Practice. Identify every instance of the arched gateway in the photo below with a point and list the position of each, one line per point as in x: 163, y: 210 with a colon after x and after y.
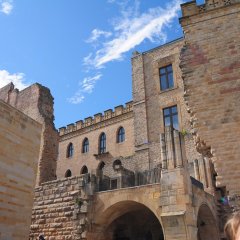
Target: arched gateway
x: 130, y: 213
x: 206, y: 224
x: 128, y: 220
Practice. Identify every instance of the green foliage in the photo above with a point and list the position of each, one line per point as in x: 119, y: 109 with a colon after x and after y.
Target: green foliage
x: 79, y: 202
x: 184, y: 132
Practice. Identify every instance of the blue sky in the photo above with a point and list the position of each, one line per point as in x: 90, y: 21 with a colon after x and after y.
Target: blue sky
x: 81, y: 49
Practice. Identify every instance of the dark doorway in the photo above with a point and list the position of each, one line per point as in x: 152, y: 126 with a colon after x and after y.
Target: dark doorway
x: 136, y: 225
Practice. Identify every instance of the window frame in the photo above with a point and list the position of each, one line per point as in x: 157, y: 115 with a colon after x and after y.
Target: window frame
x: 102, y: 143
x: 171, y: 115
x: 85, y: 145
x: 70, y: 150
x: 168, y: 80
x: 121, y: 135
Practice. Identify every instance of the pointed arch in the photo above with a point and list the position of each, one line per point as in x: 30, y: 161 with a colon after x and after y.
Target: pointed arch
x: 84, y: 170
x: 85, y: 145
x: 102, y: 143
x: 120, y: 135
x: 68, y: 173
x: 70, y: 150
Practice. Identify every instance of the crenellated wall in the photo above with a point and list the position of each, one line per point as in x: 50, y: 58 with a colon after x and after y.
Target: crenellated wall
x: 99, y: 119
x: 91, y: 128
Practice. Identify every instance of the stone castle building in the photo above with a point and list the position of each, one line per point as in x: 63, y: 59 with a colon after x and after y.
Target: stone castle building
x: 165, y: 165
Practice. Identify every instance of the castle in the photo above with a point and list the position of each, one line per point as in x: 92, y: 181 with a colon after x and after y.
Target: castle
x: 165, y: 165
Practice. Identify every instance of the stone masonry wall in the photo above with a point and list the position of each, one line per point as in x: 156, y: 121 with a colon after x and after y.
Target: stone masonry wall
x: 60, y: 210
x: 20, y: 138
x: 121, y: 117
x: 211, y: 72
x: 36, y: 101
x: 149, y: 102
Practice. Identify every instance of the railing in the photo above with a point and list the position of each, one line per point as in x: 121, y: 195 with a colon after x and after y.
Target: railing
x: 129, y: 180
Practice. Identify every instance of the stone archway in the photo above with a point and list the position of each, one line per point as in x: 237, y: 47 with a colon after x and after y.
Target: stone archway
x: 206, y: 224
x: 128, y: 220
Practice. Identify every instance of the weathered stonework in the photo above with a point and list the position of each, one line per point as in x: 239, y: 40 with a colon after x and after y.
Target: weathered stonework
x: 211, y: 69
x: 60, y: 209
x: 20, y: 138
x: 91, y: 128
x: 162, y: 175
x: 36, y: 101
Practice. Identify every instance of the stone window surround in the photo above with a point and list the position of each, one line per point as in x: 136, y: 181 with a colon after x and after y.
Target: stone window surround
x: 163, y: 62
x: 171, y: 104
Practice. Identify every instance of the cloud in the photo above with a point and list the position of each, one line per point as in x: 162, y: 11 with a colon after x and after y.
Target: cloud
x: 18, y: 79
x: 96, y: 34
x: 132, y: 29
x: 6, y: 7
x: 85, y: 86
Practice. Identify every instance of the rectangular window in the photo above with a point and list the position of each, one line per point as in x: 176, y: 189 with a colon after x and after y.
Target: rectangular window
x: 166, y: 77
x: 170, y: 116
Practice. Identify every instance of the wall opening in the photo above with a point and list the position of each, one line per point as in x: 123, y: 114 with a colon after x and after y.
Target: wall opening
x: 206, y: 224
x: 135, y: 221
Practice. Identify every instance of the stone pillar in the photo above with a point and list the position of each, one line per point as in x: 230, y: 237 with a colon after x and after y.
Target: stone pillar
x: 178, y: 149
x: 196, y: 169
x: 209, y: 173
x: 203, y: 177
x: 163, y: 151
x: 170, y: 148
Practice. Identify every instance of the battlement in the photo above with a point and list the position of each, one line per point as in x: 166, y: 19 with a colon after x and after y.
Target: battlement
x: 99, y: 117
x: 191, y: 8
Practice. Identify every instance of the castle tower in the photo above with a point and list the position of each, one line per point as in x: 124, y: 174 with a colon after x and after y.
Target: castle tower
x: 211, y: 72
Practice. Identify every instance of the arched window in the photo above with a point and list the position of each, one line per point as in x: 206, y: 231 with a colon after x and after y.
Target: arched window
x: 68, y: 173
x: 85, y: 146
x: 84, y: 170
x: 70, y: 150
x: 121, y: 135
x: 102, y: 143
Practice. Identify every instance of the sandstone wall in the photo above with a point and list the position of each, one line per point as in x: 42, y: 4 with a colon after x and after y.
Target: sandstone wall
x: 149, y: 102
x: 211, y: 69
x: 20, y: 138
x: 92, y: 129
x: 60, y: 210
x: 36, y: 101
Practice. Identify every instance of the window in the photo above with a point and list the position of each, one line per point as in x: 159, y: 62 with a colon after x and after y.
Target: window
x: 84, y: 170
x: 102, y: 143
x: 166, y: 77
x: 171, y: 117
x: 70, y: 150
x: 85, y: 146
x: 68, y: 173
x: 121, y: 135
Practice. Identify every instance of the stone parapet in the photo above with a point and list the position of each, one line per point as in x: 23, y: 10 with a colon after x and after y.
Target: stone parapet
x: 98, y: 118
x: 191, y: 8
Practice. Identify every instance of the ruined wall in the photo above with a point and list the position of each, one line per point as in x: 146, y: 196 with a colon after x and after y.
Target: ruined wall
x: 211, y: 68
x: 60, y: 210
x: 150, y: 100
x: 36, y: 101
x: 91, y: 128
x: 20, y: 138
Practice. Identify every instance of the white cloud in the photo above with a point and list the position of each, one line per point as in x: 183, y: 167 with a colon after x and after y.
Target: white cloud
x: 6, y: 7
x: 96, y: 34
x: 132, y: 29
x: 85, y: 86
x: 18, y: 79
